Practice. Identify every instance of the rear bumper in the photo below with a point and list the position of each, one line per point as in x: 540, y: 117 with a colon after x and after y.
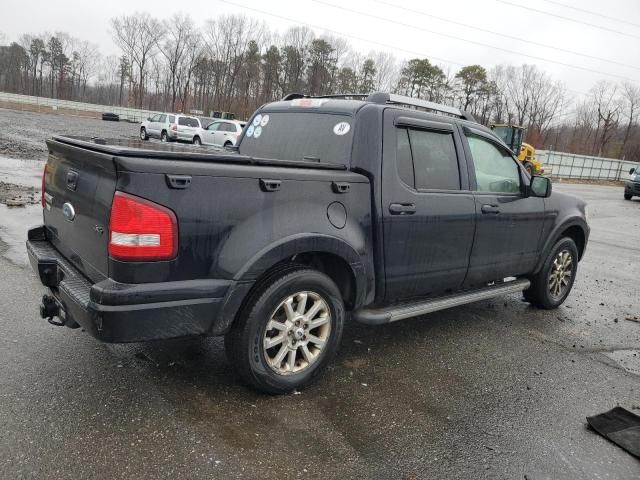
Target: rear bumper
x: 117, y: 312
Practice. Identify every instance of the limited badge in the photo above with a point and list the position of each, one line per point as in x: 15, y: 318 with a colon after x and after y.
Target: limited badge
x: 341, y: 128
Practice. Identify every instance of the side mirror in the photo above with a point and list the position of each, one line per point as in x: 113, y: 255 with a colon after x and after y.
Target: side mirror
x: 540, y: 186
x: 632, y: 171
x: 148, y: 119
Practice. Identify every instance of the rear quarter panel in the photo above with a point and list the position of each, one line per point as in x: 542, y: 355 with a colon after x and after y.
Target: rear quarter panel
x: 229, y: 228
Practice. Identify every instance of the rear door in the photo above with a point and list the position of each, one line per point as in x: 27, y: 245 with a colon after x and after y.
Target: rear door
x: 79, y: 188
x: 509, y: 223
x: 428, y: 210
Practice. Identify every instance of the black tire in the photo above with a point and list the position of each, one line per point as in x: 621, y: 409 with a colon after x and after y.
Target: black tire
x: 528, y: 166
x: 627, y: 196
x: 244, y: 343
x: 164, y: 137
x: 143, y: 134
x: 539, y: 293
x: 228, y: 144
x: 197, y: 141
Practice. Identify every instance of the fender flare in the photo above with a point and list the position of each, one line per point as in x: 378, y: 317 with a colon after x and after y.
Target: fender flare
x: 555, y: 234
x: 278, y: 252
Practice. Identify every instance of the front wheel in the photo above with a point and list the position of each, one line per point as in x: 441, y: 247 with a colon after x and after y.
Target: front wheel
x: 197, y: 141
x: 627, y: 196
x: 287, y: 331
x: 551, y: 286
x: 143, y: 134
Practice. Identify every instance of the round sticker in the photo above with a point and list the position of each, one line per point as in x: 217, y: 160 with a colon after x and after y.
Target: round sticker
x: 341, y: 128
x: 257, y: 132
x: 250, y: 130
x: 264, y: 121
x: 257, y: 120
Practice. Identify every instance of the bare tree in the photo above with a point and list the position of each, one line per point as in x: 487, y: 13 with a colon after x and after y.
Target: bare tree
x: 138, y: 36
x: 631, y: 102
x: 607, y: 103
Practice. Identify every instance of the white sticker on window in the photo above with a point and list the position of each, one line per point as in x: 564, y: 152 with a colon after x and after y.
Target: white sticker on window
x: 257, y: 120
x: 341, y: 128
x: 250, y: 131
x: 257, y: 132
x: 265, y: 120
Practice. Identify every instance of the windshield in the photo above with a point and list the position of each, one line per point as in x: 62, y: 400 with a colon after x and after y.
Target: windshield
x: 298, y: 136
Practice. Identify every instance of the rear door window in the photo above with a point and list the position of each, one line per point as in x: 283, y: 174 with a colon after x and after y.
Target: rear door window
x: 172, y: 119
x: 163, y: 118
x: 435, y: 163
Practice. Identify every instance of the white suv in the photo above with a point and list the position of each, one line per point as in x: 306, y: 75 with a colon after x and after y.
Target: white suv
x: 171, y: 127
x: 221, y: 133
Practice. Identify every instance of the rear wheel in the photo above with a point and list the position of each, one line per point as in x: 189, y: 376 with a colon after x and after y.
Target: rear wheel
x: 627, y: 196
x: 287, y: 331
x: 164, y: 137
x: 551, y: 286
x: 143, y: 134
x: 228, y: 144
x: 528, y: 166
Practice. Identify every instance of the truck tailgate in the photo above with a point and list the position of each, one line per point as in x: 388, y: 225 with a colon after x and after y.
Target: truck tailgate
x: 79, y: 185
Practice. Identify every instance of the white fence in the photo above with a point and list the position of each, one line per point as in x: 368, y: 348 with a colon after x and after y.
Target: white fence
x: 568, y: 165
x: 53, y: 104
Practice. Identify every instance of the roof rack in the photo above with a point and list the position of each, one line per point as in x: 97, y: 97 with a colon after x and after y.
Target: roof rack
x: 394, y: 99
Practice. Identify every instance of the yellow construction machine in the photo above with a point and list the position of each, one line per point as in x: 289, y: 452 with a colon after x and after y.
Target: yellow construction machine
x: 512, y: 136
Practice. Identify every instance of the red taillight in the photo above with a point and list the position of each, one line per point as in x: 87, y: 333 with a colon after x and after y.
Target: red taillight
x: 44, y: 175
x: 140, y: 230
x: 174, y: 127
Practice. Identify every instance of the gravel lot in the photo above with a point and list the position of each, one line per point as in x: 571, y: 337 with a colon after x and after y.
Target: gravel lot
x: 490, y: 390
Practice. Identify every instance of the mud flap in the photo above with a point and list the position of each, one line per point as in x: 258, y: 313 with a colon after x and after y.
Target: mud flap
x: 619, y: 426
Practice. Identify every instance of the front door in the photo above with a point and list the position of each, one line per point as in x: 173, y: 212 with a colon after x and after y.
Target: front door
x: 428, y: 211
x: 508, y: 222
x: 210, y: 133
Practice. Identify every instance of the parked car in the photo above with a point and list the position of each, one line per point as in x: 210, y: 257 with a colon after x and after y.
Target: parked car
x: 330, y: 206
x: 110, y: 117
x: 160, y: 125
x: 632, y: 186
x: 222, y: 133
x: 169, y: 127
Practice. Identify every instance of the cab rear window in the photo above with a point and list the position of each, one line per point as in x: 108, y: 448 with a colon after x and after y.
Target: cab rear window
x: 299, y: 136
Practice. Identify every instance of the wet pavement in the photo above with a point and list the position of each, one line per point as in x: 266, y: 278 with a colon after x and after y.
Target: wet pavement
x: 496, y: 389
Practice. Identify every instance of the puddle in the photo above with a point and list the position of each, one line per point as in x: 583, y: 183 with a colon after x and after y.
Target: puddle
x: 627, y: 359
x: 14, y: 223
x: 27, y: 173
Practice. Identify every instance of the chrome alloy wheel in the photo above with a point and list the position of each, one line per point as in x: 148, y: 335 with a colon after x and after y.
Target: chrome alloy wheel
x: 297, y: 333
x: 560, y: 274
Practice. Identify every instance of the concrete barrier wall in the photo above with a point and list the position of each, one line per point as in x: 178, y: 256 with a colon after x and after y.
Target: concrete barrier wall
x: 569, y: 165
x: 53, y: 105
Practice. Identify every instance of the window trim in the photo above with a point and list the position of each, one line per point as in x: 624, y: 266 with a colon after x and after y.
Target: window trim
x: 471, y: 166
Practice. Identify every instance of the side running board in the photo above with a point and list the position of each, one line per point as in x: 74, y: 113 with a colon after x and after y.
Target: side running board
x: 393, y: 313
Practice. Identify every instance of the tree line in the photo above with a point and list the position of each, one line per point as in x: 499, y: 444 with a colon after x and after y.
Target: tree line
x: 236, y: 63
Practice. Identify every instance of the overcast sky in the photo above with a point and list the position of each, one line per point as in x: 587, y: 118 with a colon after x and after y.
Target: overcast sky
x: 398, y: 27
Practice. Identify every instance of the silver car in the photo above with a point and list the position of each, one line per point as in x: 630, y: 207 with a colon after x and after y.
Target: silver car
x: 221, y: 133
x: 171, y: 127
x: 160, y: 125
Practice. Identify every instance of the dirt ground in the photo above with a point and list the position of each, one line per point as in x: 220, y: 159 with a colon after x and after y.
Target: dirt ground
x: 22, y: 138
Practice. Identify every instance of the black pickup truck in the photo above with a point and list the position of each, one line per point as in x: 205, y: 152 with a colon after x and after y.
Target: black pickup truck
x: 380, y: 208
